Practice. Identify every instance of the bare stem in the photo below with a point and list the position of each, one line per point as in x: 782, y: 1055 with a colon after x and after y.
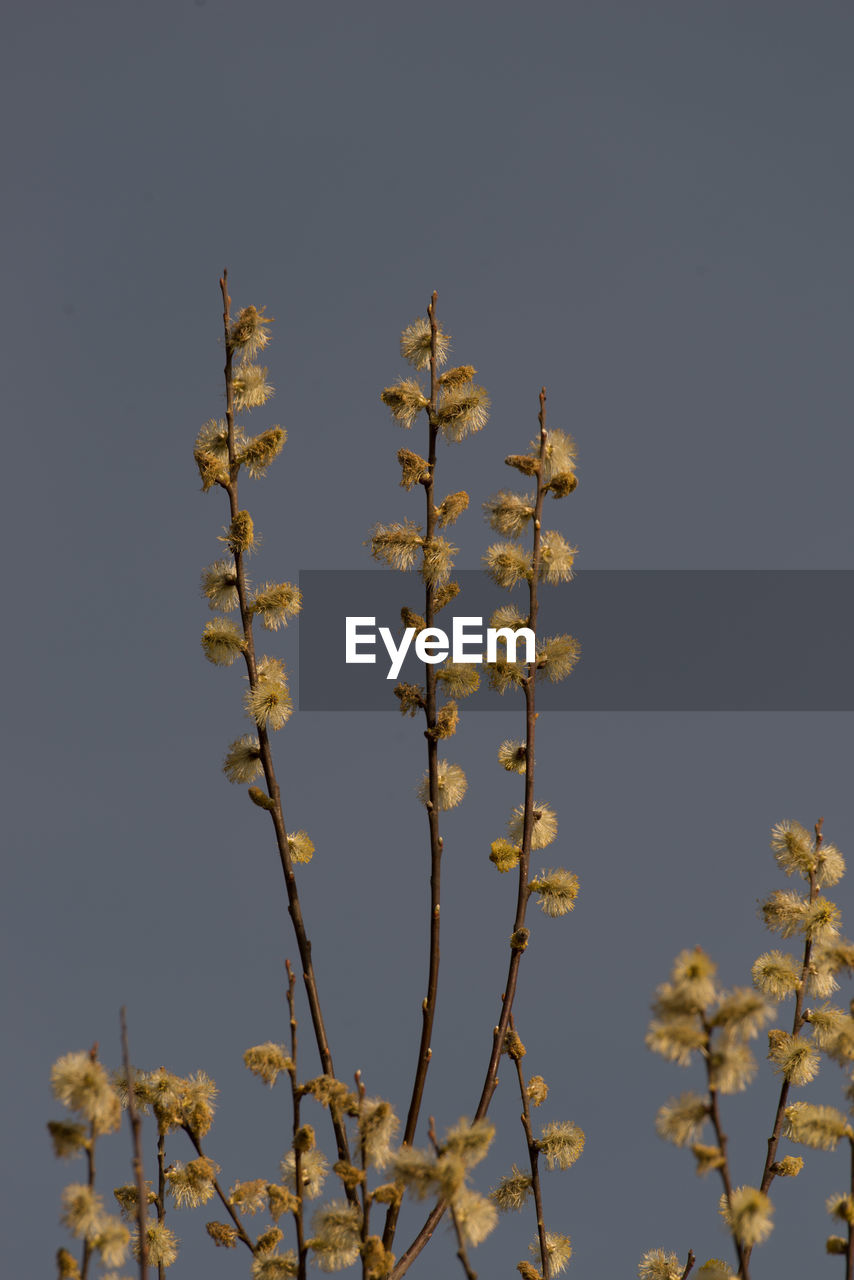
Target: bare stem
x: 715, y: 1117
x: 849, y: 1252
x: 136, y: 1128
x: 798, y: 1020
x: 462, y: 1252
x: 518, y: 937
x: 689, y: 1264
x: 428, y: 1006
x: 277, y: 813
x: 90, y: 1182
x: 161, y: 1191
x: 224, y: 1200
x: 534, y: 1162
x: 302, y: 1251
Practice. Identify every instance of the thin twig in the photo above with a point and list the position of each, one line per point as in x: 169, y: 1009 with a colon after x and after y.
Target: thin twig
x: 524, y: 891
x: 715, y: 1117
x: 302, y: 1251
x: 849, y: 1250
x: 462, y: 1252
x: 277, y: 814
x: 534, y: 1162
x: 363, y: 1165
x: 136, y: 1128
x: 689, y: 1265
x: 798, y: 1021
x: 428, y: 1006
x: 224, y: 1200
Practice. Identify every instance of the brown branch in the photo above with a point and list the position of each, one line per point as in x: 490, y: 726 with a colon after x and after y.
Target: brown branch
x: 302, y: 1250
x: 534, y: 1161
x: 462, y: 1252
x: 428, y: 1006
x: 798, y: 1021
x: 721, y: 1138
x: 226, y: 1203
x: 90, y: 1182
x: 689, y: 1265
x: 136, y: 1128
x: 849, y: 1251
x: 517, y: 945
x: 277, y: 813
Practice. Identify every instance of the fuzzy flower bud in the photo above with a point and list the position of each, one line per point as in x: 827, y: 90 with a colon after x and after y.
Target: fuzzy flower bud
x: 557, y: 891
x: 416, y: 343
x: 512, y: 1191
x: 561, y: 1143
x: 748, y: 1215
x: 405, y: 400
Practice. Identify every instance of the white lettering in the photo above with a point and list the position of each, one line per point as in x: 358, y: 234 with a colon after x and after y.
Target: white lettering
x: 461, y: 638
x: 431, y: 645
x: 353, y: 638
x: 397, y: 654
x: 511, y: 637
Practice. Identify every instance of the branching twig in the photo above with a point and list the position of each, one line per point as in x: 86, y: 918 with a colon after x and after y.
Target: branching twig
x: 534, y: 1161
x: 428, y: 1007
x: 524, y: 891
x: 277, y: 815
x: 462, y: 1252
x: 226, y: 1203
x: 714, y: 1115
x: 136, y: 1127
x: 302, y: 1251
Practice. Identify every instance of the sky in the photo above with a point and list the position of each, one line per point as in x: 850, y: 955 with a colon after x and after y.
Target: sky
x: 645, y: 207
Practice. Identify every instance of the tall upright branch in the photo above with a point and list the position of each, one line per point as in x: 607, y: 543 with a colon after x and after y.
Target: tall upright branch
x: 136, y: 1128
x: 296, y: 1097
x: 428, y: 1007
x: 534, y: 1163
x: 276, y: 813
x: 519, y: 935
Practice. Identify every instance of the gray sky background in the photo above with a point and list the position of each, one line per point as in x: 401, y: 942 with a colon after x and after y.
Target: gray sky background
x: 647, y: 206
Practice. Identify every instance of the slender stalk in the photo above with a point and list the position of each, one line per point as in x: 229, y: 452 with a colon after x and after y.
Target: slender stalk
x: 689, y: 1264
x: 363, y: 1165
x: 161, y: 1191
x: 277, y: 814
x: 428, y: 1006
x: 715, y: 1117
x: 136, y: 1128
x: 524, y: 891
x: 462, y: 1252
x: 798, y: 1021
x: 849, y: 1252
x: 534, y: 1162
x: 533, y: 1156
x: 90, y: 1180
x: 224, y: 1200
x: 302, y: 1251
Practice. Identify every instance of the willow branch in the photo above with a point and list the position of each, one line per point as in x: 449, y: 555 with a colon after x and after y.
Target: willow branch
x: 689, y: 1265
x: 518, y: 937
x: 534, y: 1162
x: 226, y: 1203
x: 715, y: 1117
x: 302, y: 1250
x: 277, y: 813
x: 136, y: 1128
x: 428, y: 1007
x: 462, y: 1252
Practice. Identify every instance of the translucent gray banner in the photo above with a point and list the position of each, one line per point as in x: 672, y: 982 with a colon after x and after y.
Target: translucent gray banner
x: 651, y: 640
